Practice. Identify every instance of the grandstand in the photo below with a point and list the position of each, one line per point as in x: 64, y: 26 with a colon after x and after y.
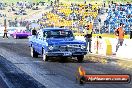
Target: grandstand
x: 119, y: 14
x: 70, y: 15
x: 74, y: 14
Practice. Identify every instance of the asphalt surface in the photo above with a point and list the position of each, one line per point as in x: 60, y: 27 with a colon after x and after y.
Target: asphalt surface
x: 54, y: 73
x: 2, y: 83
x: 13, y: 77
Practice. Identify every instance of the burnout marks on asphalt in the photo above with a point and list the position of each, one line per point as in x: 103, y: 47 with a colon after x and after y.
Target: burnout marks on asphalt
x: 16, y: 77
x: 2, y: 83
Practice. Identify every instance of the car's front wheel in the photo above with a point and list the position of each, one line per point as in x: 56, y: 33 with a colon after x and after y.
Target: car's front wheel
x: 80, y: 58
x: 33, y: 52
x: 15, y: 37
x: 45, y: 57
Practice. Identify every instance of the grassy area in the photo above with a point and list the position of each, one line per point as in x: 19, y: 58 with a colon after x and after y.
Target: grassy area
x: 103, y: 60
x: 122, y: 63
x: 96, y: 59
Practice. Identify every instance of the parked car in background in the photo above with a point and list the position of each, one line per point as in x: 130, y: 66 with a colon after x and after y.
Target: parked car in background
x: 21, y: 34
x: 56, y: 42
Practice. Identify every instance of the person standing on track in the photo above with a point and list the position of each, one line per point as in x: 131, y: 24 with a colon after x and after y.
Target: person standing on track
x: 34, y: 31
x: 5, y: 33
x: 119, y: 32
x: 88, y: 35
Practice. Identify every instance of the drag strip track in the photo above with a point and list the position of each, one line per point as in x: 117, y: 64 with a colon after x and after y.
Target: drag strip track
x: 2, y: 83
x: 15, y: 78
x: 55, y: 74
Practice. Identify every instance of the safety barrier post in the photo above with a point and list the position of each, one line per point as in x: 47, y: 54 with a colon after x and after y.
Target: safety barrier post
x: 102, y: 46
x: 97, y: 43
x: 108, y: 47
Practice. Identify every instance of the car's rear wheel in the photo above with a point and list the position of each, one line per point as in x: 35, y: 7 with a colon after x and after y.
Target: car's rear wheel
x: 33, y: 53
x: 80, y: 58
x: 45, y: 57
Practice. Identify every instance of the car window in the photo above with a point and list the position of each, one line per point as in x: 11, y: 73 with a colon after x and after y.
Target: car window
x: 58, y: 34
x: 39, y: 35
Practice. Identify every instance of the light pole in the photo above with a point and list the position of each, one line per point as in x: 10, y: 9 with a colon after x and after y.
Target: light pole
x: 5, y: 30
x: 109, y: 27
x: 4, y: 20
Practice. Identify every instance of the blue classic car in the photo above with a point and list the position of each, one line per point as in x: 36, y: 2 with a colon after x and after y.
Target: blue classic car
x: 56, y: 42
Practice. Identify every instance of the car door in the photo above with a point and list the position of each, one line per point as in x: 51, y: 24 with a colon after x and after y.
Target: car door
x: 34, y: 41
x: 37, y: 42
x: 44, y: 43
x: 40, y: 42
